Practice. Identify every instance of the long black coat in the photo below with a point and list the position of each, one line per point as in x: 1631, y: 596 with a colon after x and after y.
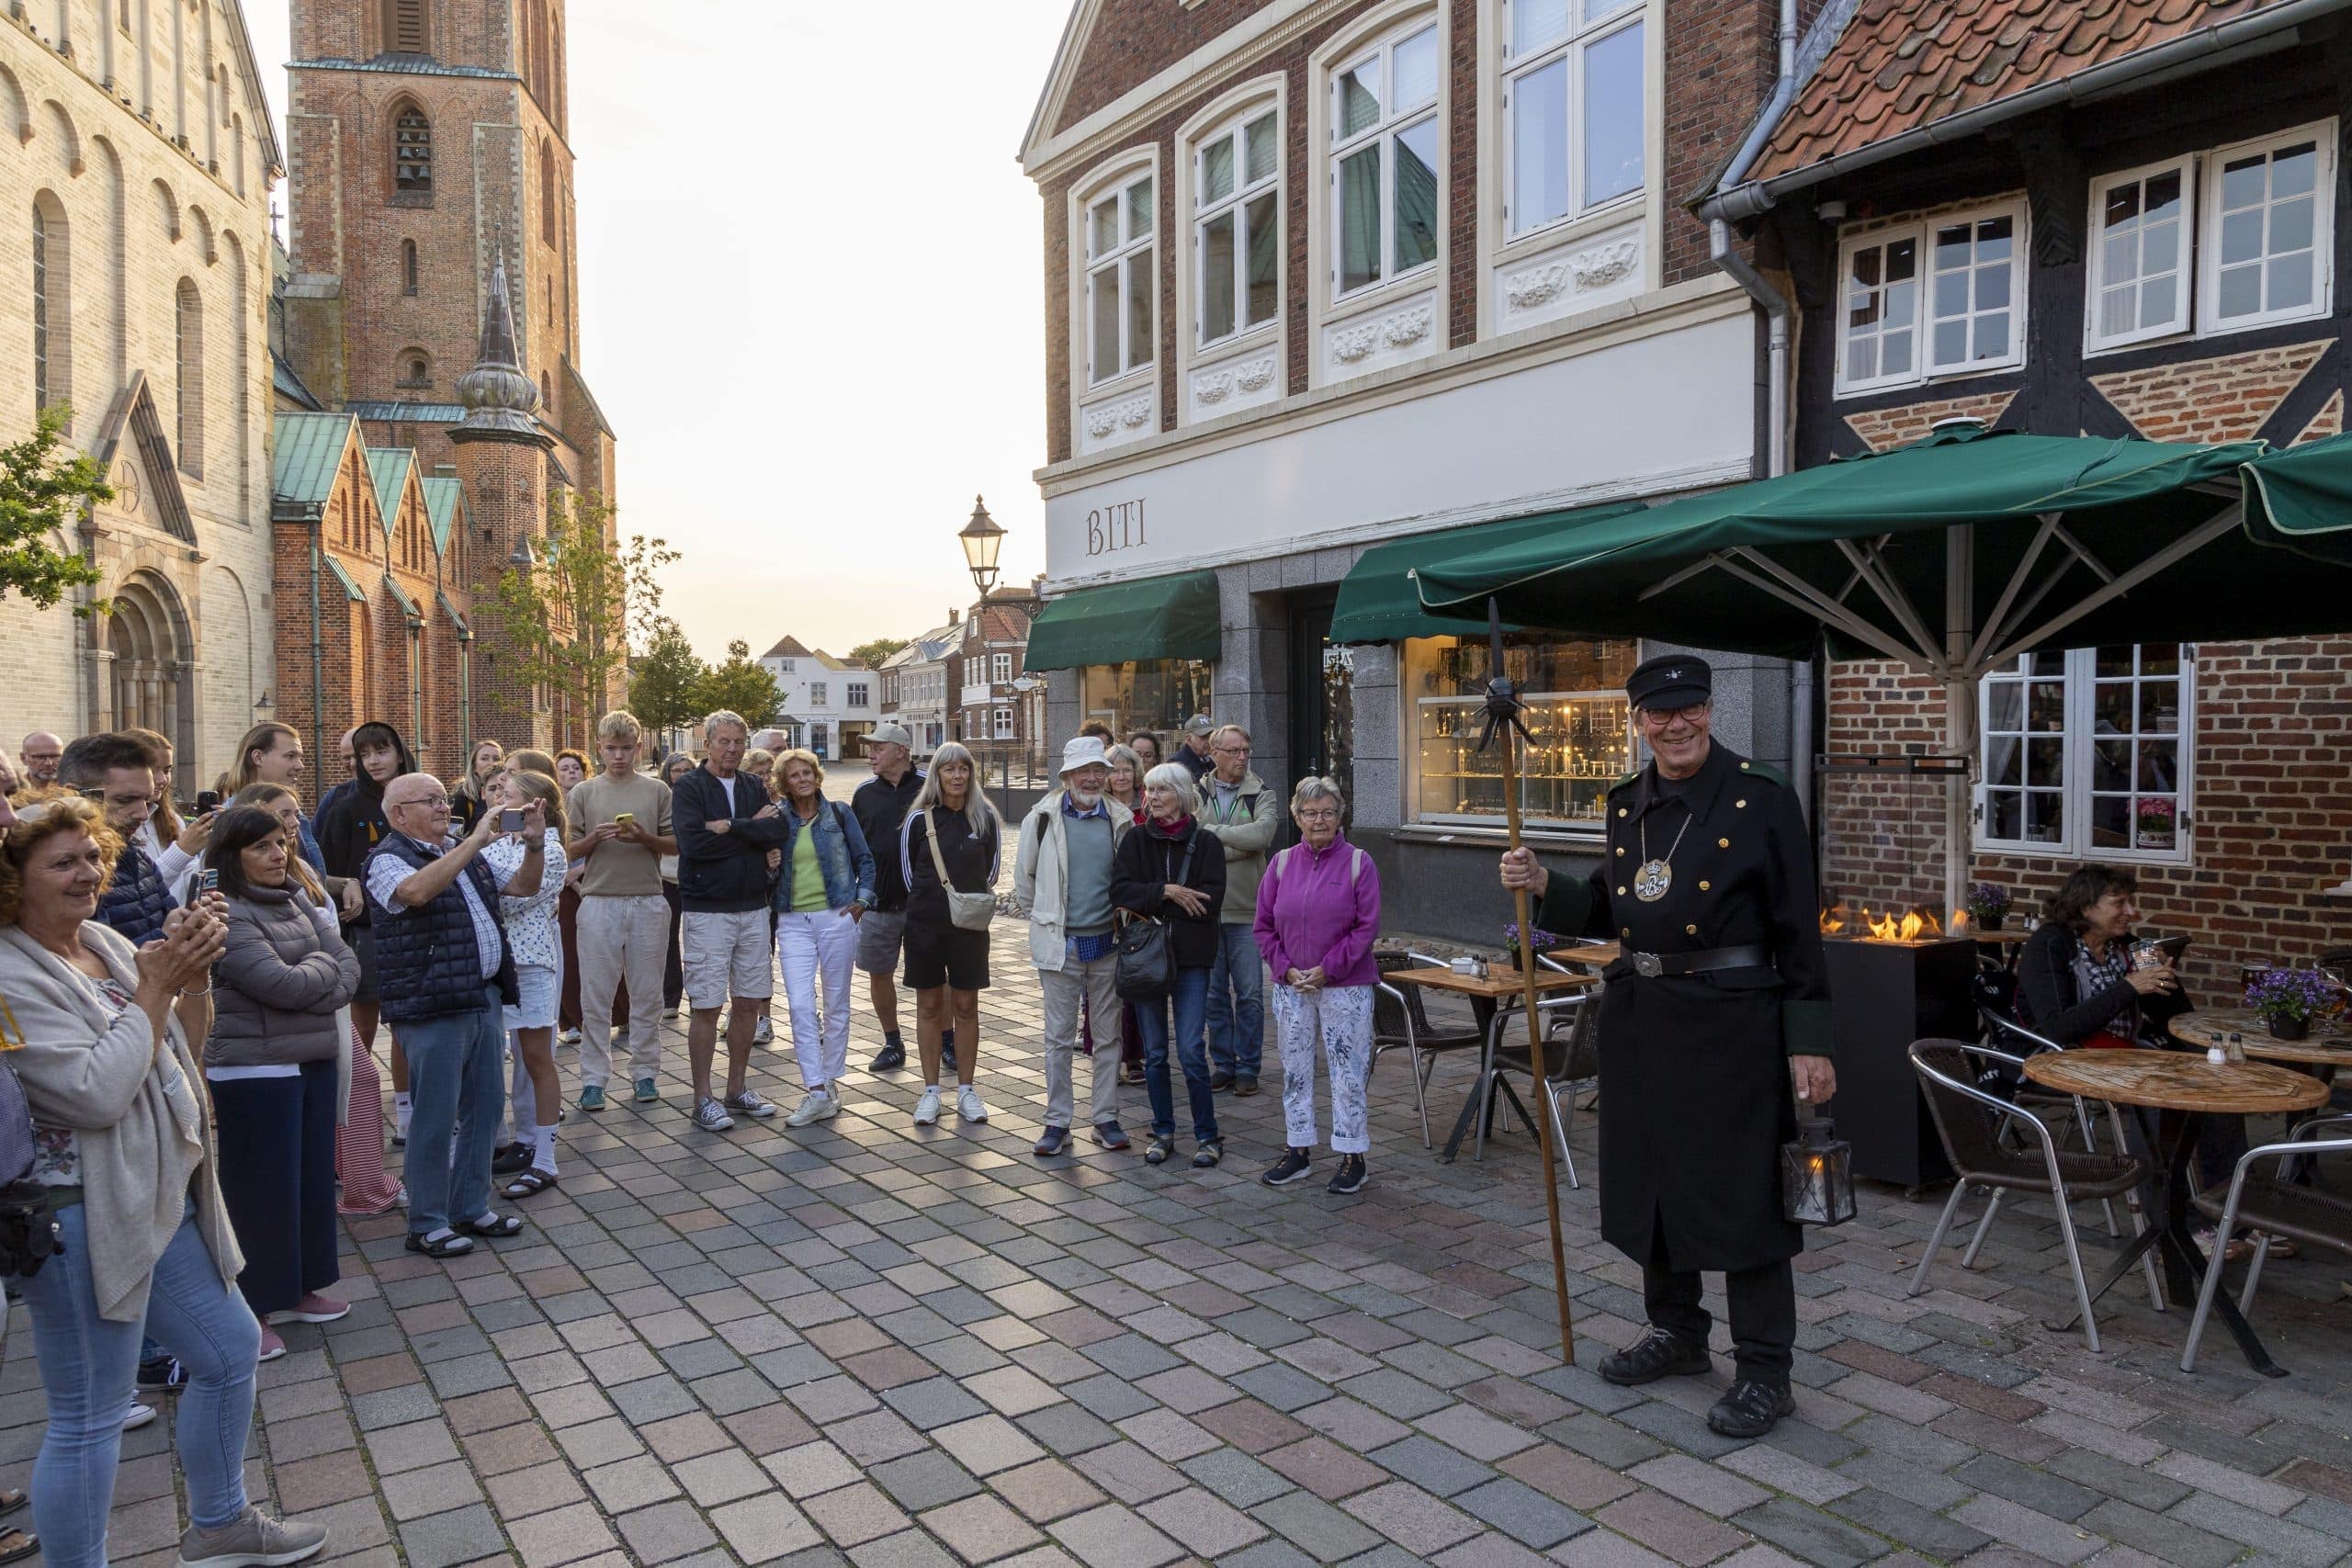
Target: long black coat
x: 1695, y: 1099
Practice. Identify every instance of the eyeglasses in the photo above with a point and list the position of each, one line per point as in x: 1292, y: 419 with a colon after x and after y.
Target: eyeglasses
x: 1319, y: 814
x: 1659, y: 718
x: 1232, y: 751
x: 430, y: 802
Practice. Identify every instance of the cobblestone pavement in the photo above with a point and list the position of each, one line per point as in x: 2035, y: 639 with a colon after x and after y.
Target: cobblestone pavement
x: 899, y: 1345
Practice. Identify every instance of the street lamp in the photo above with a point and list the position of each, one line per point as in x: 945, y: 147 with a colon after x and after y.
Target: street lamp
x: 981, y: 539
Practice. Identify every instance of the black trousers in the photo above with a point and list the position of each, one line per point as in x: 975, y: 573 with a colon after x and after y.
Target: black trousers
x: 1763, y: 1303
x: 674, y: 970
x: 277, y: 1139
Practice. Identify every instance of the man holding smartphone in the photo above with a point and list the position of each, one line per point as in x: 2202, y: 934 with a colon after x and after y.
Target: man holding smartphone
x: 620, y: 827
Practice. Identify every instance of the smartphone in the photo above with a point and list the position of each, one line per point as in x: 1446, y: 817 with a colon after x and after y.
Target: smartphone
x: 208, y: 800
x: 625, y: 819
x: 510, y: 820
x: 209, y: 881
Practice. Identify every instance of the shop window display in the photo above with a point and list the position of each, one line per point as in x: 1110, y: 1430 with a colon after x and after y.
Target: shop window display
x: 1157, y: 694
x: 1576, y: 716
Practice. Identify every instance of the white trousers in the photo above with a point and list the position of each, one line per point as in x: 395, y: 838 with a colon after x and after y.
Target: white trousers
x: 1338, y: 1020
x: 621, y: 936
x: 823, y: 942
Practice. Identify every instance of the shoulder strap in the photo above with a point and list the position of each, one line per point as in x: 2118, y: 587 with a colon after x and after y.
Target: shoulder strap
x: 1355, y: 867
x: 938, y: 861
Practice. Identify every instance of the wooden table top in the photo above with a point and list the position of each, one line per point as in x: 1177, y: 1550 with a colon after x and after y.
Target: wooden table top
x: 2005, y: 937
x: 2173, y: 1080
x: 2330, y: 1045
x: 1589, y: 955
x: 1497, y: 983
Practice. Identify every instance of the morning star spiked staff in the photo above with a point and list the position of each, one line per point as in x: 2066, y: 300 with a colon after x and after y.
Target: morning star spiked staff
x: 1503, y: 723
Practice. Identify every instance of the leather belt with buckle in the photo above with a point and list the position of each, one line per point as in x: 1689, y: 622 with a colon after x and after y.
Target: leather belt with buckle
x: 1652, y: 965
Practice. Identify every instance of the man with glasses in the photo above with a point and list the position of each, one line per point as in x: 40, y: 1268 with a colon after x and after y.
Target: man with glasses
x: 114, y: 772
x: 43, y: 752
x: 1237, y: 806
x: 1714, y: 1023
x: 445, y: 976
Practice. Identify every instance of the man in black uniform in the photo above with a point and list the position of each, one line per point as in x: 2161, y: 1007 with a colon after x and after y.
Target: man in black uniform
x: 1707, y: 882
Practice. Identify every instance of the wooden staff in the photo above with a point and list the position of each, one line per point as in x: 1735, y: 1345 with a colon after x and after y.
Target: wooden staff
x: 1503, y: 722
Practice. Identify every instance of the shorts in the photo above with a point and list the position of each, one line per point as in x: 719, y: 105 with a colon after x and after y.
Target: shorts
x: 946, y: 955
x: 728, y: 952
x: 361, y: 938
x: 879, y: 936
x: 538, y: 987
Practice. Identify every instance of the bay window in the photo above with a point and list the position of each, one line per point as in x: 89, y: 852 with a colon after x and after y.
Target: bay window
x: 1576, y: 714
x: 2088, y: 752
x: 1120, y: 278
x: 1237, y: 227
x: 1384, y: 188
x: 1573, y: 93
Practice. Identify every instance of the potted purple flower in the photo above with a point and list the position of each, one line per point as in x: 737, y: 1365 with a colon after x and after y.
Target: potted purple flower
x: 2288, y: 1000
x: 1542, y: 941
x: 2156, y: 815
x: 1988, y: 905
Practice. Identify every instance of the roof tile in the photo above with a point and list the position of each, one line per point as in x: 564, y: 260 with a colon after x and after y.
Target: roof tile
x: 1903, y: 65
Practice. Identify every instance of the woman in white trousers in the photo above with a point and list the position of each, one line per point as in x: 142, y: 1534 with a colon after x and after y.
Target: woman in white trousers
x: 824, y: 883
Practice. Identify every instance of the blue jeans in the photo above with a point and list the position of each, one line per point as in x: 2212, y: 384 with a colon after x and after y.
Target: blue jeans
x: 1237, y: 1002
x: 88, y: 1368
x: 1151, y: 1022
x: 457, y: 1083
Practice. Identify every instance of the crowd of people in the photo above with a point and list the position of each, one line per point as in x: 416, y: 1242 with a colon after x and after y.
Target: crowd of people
x: 197, y: 985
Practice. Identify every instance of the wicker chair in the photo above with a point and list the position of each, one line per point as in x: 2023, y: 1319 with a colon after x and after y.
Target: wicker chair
x: 1972, y: 1124
x: 1400, y: 1022
x: 2271, y: 1206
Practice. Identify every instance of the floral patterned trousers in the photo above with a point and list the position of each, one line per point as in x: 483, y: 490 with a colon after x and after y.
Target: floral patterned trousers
x: 1339, y: 1018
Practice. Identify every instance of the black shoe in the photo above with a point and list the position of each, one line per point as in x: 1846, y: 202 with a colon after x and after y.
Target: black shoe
x: 1207, y: 1154
x: 1220, y: 1080
x: 163, y: 1376
x: 1752, y: 1408
x: 513, y: 1160
x: 1157, y: 1151
x: 891, y: 1057
x: 1353, y: 1174
x: 1290, y: 1167
x: 1244, y: 1086
x: 1659, y: 1355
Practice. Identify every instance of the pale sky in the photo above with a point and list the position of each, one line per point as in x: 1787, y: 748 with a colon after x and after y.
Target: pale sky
x: 810, y: 296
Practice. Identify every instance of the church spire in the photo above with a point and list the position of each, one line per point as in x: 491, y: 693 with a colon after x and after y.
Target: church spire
x: 499, y: 398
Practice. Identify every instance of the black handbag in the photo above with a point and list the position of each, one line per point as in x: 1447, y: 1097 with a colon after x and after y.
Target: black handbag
x: 28, y: 1229
x: 1146, y: 969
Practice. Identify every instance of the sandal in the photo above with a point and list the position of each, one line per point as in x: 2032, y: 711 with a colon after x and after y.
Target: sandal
x: 11, y: 1499
x: 493, y: 1227
x: 530, y: 1183
x: 15, y: 1545
x: 439, y: 1244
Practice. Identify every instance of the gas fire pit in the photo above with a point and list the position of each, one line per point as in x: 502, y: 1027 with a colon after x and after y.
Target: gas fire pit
x: 1893, y: 979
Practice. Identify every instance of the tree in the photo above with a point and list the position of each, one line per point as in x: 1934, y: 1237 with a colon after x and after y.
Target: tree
x: 666, y: 680
x: 43, y: 492
x: 741, y: 686
x: 571, y: 617
x: 872, y: 654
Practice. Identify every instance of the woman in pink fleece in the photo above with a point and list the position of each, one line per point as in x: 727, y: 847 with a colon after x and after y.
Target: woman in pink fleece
x: 1318, y: 910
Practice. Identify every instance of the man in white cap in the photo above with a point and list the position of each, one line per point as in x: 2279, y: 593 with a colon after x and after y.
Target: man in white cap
x: 1192, y: 750
x: 1061, y: 880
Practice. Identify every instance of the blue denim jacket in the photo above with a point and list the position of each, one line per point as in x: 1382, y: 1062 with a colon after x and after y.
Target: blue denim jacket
x: 841, y: 856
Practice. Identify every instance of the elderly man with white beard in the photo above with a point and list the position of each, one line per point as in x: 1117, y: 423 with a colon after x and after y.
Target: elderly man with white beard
x: 1062, y: 883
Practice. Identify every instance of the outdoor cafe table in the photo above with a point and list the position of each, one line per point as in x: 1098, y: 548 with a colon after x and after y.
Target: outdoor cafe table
x: 2179, y: 1087
x: 2329, y: 1046
x: 1486, y: 994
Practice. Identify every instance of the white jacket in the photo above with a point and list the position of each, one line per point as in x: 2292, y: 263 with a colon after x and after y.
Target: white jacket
x: 1038, y: 871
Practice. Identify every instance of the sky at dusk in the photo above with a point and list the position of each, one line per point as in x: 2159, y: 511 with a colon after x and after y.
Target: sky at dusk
x: 811, y: 304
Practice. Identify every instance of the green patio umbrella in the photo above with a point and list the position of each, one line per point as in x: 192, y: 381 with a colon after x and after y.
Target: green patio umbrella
x: 2299, y: 499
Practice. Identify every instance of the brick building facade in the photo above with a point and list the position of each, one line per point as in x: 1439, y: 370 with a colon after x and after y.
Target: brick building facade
x: 2138, y: 229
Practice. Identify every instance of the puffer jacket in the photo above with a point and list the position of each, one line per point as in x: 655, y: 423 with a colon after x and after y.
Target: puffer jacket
x: 277, y: 986
x: 137, y: 899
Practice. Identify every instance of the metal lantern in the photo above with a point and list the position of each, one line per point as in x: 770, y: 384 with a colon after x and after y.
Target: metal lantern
x: 1817, y: 1175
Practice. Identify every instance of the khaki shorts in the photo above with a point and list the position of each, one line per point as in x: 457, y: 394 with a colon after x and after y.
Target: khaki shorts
x: 727, y: 953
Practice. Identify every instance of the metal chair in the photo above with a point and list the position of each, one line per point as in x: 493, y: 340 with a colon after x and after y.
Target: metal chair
x: 2271, y: 1206
x: 2002, y: 1031
x: 1400, y: 1022
x: 1578, y: 1062
x: 1972, y: 1122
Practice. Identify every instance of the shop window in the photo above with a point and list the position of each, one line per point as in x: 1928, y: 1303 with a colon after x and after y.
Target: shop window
x: 1385, y: 183
x: 1157, y: 694
x: 2086, y: 753
x: 1122, y: 276
x: 1237, y: 227
x: 1575, y: 123
x: 1943, y: 298
x: 1577, y: 716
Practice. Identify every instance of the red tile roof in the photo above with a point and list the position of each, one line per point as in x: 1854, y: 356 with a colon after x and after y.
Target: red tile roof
x: 1903, y: 65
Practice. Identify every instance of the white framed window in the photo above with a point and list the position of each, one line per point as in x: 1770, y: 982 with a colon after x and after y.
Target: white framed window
x: 817, y: 693
x: 2268, y: 213
x: 857, y: 694
x: 785, y: 665
x: 1940, y: 297
x: 1237, y: 227
x: 2139, y: 260
x: 1122, y: 276
x: 1386, y: 195
x: 1000, y: 667
x: 1575, y: 121
x: 2088, y: 752
x: 1004, y: 724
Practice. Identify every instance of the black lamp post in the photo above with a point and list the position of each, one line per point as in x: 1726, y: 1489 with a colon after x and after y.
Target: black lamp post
x: 981, y: 538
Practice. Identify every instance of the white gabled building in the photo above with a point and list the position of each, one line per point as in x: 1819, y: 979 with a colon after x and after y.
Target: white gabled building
x: 829, y: 703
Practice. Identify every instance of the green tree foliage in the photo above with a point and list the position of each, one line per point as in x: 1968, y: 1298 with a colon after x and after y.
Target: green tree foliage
x: 741, y: 685
x: 872, y: 654
x: 42, y: 493
x: 666, y: 680
x: 572, y: 615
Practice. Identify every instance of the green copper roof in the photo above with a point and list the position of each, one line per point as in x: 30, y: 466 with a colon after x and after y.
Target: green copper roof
x: 308, y: 454
x: 399, y: 596
x: 344, y: 577
x: 442, y: 495
x: 389, y: 470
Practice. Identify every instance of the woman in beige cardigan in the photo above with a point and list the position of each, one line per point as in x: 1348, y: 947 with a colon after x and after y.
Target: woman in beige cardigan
x: 121, y: 1141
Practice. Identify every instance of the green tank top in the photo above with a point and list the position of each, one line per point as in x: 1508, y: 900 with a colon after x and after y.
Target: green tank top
x: 808, y: 877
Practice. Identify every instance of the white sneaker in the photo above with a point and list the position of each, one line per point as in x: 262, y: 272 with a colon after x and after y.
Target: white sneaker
x: 138, y: 1416
x: 968, y: 1106
x: 569, y: 1037
x: 711, y: 1117
x: 763, y: 1032
x: 927, y: 1107
x: 817, y: 1106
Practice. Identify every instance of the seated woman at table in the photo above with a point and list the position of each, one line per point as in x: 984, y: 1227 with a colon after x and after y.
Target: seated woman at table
x: 2076, y: 987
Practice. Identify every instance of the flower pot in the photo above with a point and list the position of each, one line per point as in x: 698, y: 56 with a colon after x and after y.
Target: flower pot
x: 2290, y: 1028
x: 1989, y: 922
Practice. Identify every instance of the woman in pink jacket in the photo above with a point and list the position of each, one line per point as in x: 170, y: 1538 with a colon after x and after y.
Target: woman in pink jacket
x: 1318, y: 910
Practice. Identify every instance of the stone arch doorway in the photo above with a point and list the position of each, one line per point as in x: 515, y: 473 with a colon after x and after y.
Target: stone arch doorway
x: 150, y: 670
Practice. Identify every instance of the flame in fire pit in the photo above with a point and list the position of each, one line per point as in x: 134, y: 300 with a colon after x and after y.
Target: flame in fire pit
x: 1912, y: 925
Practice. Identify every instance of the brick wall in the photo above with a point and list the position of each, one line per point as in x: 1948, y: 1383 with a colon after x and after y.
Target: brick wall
x: 1720, y: 59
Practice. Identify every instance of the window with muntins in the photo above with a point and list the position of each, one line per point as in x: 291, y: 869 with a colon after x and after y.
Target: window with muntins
x: 2265, y: 221
x: 1000, y: 667
x: 2139, y: 262
x: 1004, y: 724
x: 817, y: 693
x: 1121, y: 278
x: 1384, y: 184
x: 1238, y: 229
x: 1941, y: 298
x: 855, y: 696
x: 413, y: 153
x: 2086, y: 752
x: 40, y: 309
x: 1574, y: 81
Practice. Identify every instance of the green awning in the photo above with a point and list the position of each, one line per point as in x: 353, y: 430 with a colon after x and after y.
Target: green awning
x: 2301, y: 498
x: 1152, y: 617
x: 1378, y: 602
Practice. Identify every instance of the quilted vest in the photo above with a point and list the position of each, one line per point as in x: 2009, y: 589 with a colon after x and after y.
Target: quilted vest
x: 426, y: 965
x: 135, y: 903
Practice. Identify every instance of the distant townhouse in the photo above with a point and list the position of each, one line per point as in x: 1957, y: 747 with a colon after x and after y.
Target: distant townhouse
x: 1002, y: 705
x: 829, y: 703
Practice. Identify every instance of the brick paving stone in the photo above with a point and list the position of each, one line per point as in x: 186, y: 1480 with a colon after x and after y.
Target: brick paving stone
x: 444, y: 1540
x: 854, y: 1515
x: 1324, y: 1468
x: 1899, y: 1519
x: 2021, y: 1527
x: 811, y: 1468
x: 666, y: 1531
x: 1202, y: 1524
x: 1115, y: 1537
x: 522, y: 1492
x: 986, y: 1444
x: 1235, y: 1476
x: 1316, y: 1527
x: 928, y: 1479
x: 2169, y: 1540
x: 1521, y: 1512
x: 763, y: 1528
x: 1047, y: 1489
x: 1668, y: 1527
x: 1431, y: 1464
x: 436, y: 1489
x: 561, y: 1535
x: 1811, y: 1535
x: 1418, y: 1520
x: 1705, y: 1486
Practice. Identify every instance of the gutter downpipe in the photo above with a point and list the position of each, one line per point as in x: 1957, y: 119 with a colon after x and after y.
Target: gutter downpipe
x: 318, y: 647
